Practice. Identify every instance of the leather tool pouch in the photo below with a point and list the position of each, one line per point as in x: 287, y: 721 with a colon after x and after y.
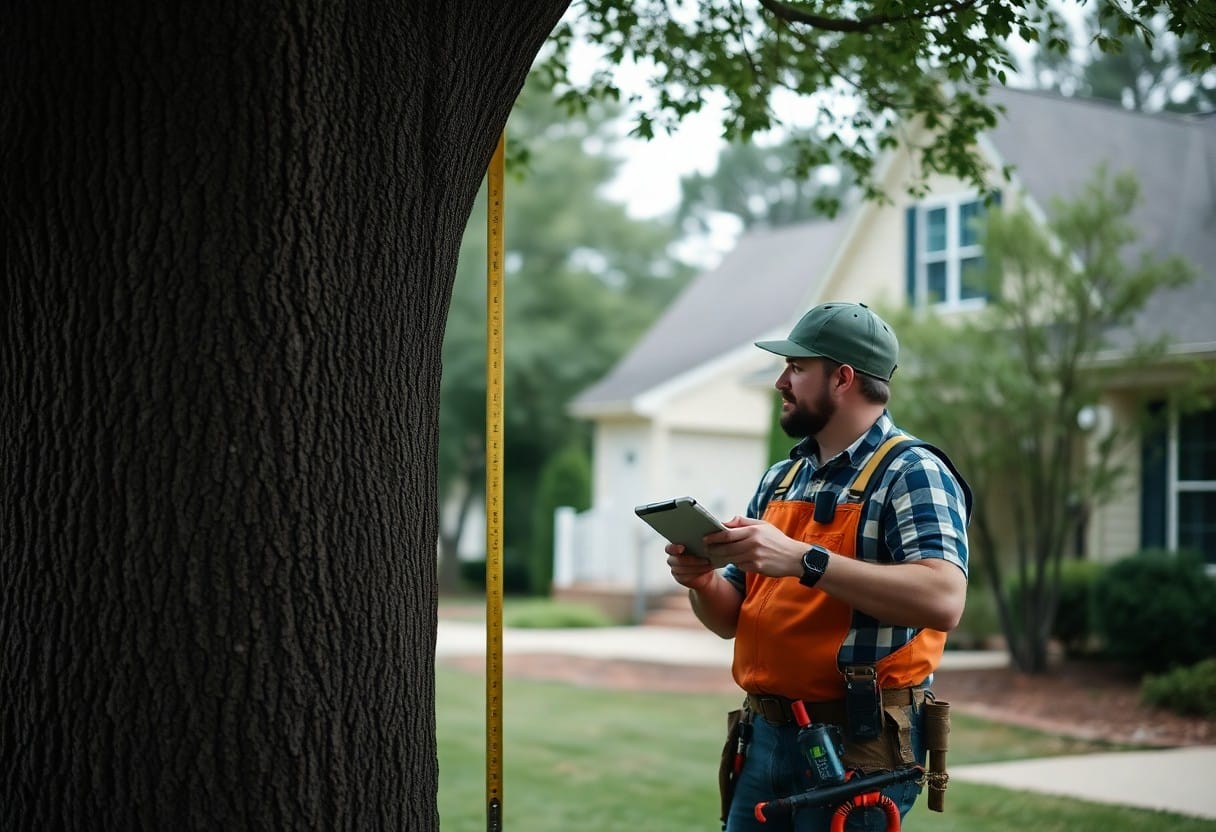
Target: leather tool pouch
x: 862, y: 703
x: 891, y: 749
x: 937, y: 742
x: 737, y: 729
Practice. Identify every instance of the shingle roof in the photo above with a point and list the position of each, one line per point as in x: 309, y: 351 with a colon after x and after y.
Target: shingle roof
x: 1055, y: 144
x: 755, y: 289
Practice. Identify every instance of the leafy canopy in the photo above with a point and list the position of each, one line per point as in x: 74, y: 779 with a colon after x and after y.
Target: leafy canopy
x: 857, y: 69
x: 753, y: 183
x: 1161, y: 71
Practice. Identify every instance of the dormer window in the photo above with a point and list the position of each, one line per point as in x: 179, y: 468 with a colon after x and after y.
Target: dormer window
x: 945, y: 258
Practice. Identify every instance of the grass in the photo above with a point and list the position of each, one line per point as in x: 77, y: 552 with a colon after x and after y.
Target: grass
x: 543, y: 614
x: 526, y: 612
x: 975, y: 740
x: 972, y: 807
x: 588, y: 759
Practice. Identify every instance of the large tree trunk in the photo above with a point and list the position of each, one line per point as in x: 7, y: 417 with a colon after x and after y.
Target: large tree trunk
x: 229, y: 238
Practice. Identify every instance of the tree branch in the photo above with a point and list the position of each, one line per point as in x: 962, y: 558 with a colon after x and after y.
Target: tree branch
x: 793, y: 14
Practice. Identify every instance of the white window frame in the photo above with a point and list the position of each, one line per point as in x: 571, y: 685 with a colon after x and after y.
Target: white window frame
x: 1175, y: 487
x: 953, y: 255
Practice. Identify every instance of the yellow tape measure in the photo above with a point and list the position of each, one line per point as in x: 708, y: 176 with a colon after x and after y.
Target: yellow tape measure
x: 494, y: 463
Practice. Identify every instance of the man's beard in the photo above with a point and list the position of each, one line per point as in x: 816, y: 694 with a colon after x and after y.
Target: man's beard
x: 801, y: 421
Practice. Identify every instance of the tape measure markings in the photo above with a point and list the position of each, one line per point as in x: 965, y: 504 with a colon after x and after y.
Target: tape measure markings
x: 494, y: 483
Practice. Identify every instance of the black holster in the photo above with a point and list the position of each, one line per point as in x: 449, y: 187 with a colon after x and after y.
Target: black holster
x: 738, y: 730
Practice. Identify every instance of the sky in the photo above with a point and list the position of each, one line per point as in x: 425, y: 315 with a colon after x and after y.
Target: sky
x: 648, y: 181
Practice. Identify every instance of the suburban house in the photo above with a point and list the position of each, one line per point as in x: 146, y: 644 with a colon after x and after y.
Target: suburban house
x: 687, y: 411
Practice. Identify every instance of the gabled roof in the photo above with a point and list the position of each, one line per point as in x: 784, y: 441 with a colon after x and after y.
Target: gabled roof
x: 758, y: 287
x: 1055, y: 143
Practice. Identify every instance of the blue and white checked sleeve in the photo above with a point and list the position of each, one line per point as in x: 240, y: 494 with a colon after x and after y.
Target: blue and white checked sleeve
x: 924, y: 512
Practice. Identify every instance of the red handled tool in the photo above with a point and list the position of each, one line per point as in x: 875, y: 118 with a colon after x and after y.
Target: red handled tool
x: 834, y: 786
x: 866, y: 787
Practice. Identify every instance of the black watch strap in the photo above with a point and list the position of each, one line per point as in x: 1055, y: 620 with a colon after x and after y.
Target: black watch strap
x: 814, y: 564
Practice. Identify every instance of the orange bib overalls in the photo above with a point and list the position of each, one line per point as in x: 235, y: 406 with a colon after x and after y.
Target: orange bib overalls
x: 789, y: 636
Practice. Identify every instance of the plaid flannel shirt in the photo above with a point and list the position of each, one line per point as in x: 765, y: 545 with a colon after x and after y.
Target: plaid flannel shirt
x: 918, y: 504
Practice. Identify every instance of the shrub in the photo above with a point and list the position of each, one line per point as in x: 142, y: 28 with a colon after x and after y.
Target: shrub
x: 1186, y: 690
x: 979, y: 623
x: 565, y: 480
x: 1157, y: 609
x: 1075, y: 622
x: 514, y: 575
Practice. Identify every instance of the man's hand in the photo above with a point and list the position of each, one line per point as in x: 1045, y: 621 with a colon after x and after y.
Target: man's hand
x: 688, y: 570
x: 757, y: 546
x: 714, y: 599
x: 928, y: 592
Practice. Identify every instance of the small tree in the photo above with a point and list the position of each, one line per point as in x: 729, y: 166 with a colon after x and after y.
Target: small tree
x: 564, y: 481
x: 1006, y: 386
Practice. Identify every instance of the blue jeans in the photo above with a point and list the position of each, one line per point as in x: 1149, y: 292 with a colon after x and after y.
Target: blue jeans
x: 774, y: 768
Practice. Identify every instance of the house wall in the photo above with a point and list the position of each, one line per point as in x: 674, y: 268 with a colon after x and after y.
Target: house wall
x: 869, y: 269
x: 1113, y: 530
x: 872, y: 265
x: 711, y: 433
x: 721, y: 472
x: 624, y: 453
x: 707, y: 438
x: 735, y: 400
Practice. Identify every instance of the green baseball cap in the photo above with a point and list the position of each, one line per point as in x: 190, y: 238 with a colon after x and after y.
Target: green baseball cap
x: 848, y: 333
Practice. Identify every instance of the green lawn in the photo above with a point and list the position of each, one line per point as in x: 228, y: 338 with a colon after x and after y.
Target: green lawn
x: 591, y: 760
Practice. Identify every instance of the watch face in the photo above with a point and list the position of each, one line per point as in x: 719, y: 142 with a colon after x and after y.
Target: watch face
x: 814, y: 561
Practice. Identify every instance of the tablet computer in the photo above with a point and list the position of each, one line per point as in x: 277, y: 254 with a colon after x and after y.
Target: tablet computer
x: 681, y: 520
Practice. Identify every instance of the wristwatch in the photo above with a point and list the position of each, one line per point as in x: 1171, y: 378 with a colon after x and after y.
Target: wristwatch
x: 814, y: 562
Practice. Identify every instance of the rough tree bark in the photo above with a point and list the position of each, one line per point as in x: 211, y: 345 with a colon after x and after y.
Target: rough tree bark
x: 229, y: 235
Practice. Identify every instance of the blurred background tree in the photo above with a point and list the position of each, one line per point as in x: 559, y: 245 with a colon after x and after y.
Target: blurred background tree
x: 584, y: 280
x: 762, y: 186
x: 1157, y: 73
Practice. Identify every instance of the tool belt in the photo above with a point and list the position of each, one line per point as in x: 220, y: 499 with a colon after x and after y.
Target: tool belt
x: 890, y: 751
x: 776, y: 710
x: 890, y: 748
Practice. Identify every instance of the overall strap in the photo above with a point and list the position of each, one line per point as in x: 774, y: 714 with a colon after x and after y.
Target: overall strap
x: 870, y: 476
x: 878, y: 462
x: 891, y: 449
x: 787, y: 480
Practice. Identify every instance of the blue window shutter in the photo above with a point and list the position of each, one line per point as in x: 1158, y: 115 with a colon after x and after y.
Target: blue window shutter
x: 911, y: 249
x: 996, y: 289
x: 1153, y: 449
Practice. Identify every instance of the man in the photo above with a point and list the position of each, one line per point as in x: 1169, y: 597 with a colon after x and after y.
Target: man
x: 832, y: 583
